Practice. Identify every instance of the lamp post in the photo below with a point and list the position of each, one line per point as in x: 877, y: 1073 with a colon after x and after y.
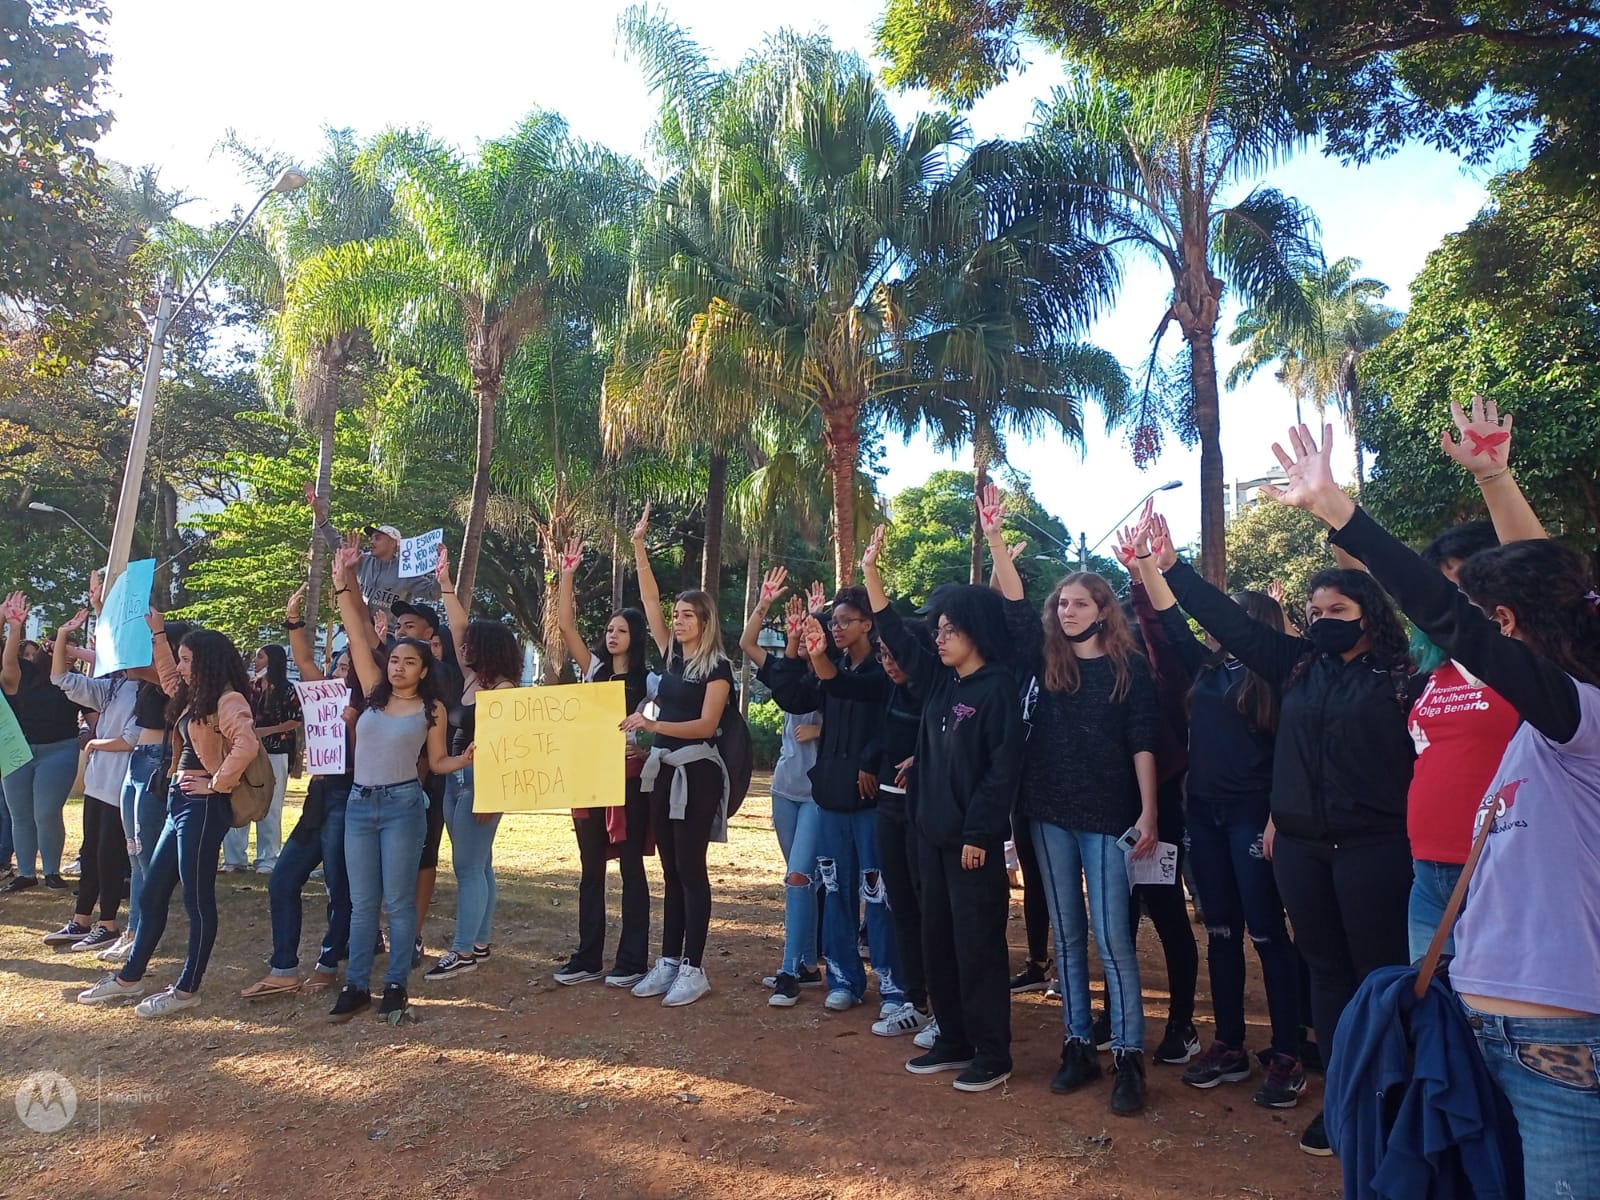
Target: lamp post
x: 41, y: 506
x: 139, y: 445
x: 1085, y: 549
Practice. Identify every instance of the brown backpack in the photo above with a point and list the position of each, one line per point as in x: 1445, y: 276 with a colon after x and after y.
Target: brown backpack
x: 252, y: 795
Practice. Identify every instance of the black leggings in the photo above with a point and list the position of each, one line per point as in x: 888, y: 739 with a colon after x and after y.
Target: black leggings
x: 1169, y: 914
x: 104, y: 856
x: 594, y: 851
x: 686, y: 890
x: 1035, y: 904
x: 1347, y: 904
x: 898, y: 865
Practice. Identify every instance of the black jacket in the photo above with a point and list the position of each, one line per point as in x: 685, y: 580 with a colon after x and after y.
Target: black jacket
x: 969, y: 746
x: 851, y: 705
x: 1343, y: 759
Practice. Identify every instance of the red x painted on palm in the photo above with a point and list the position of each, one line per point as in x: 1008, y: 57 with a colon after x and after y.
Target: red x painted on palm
x: 1488, y: 443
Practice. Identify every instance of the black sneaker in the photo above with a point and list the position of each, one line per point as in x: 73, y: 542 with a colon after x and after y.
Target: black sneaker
x: 450, y: 963
x: 1286, y: 1083
x: 97, y: 939
x: 1101, y: 1034
x: 1128, y: 1088
x: 1034, y: 977
x: 1078, y: 1067
x: 1314, y: 1141
x: 575, y: 972
x: 393, y: 1005
x: 1179, y: 1046
x: 20, y: 884
x: 981, y: 1079
x: 1221, y: 1063
x: 55, y: 883
x: 785, y: 991
x: 351, y: 1001
x: 939, y: 1059
x: 69, y: 933
x: 809, y: 977
x: 480, y: 951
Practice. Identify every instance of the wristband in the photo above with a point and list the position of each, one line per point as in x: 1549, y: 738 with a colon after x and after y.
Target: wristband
x: 1150, y: 555
x: 292, y: 625
x: 1491, y: 478
x: 340, y: 591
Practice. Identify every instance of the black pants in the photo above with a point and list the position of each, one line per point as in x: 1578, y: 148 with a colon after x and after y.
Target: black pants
x: 433, y: 787
x: 104, y: 865
x: 1035, y: 904
x: 686, y: 892
x: 1169, y: 914
x: 899, y: 870
x: 964, y: 952
x: 594, y: 847
x: 1347, y: 904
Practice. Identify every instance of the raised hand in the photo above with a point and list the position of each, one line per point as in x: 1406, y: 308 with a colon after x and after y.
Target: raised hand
x: 97, y: 596
x: 643, y: 527
x: 1309, y: 470
x: 441, y: 569
x: 1275, y: 590
x: 817, y: 600
x: 816, y: 640
x: 1485, y: 445
x: 15, y: 609
x: 157, y: 621
x: 1123, y: 547
x: 991, y: 510
x: 319, y: 505
x: 772, y: 586
x: 795, y: 617
x: 1162, y: 546
x: 1016, y: 551
x: 345, y: 558
x: 380, y: 624
x: 869, y: 557
x: 571, y: 557
x: 291, y: 609
x: 75, y: 624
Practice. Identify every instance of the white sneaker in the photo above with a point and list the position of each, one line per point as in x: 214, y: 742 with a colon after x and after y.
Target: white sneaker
x: 905, y: 1019
x: 928, y: 1036
x: 165, y: 1003
x: 889, y: 1008
x: 623, y: 979
x: 690, y: 985
x: 662, y: 976
x: 112, y: 990
x: 840, y: 1000
x: 118, y: 951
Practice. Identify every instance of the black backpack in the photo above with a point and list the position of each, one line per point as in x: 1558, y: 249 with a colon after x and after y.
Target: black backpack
x: 738, y: 754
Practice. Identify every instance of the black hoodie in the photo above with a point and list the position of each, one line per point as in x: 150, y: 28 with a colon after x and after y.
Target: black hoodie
x: 852, y: 714
x: 969, y: 747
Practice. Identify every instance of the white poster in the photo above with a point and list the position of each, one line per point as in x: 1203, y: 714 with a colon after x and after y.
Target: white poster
x: 1161, y: 866
x: 420, y: 555
x: 322, y: 705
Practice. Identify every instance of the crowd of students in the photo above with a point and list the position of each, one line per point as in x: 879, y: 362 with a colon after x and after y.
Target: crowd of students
x: 1322, y: 779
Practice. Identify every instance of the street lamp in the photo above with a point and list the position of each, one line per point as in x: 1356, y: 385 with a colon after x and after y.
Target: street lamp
x: 41, y: 506
x: 1084, y: 549
x: 138, y: 447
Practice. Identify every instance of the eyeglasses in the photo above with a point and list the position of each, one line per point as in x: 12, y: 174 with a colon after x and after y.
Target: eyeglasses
x: 838, y: 624
x: 945, y: 632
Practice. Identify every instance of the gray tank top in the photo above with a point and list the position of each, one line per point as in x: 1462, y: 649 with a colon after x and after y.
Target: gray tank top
x: 387, y: 747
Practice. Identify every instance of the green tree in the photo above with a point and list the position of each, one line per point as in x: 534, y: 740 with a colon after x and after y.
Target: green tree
x: 1322, y: 364
x: 1505, y: 308
x: 1270, y: 542
x: 1147, y: 168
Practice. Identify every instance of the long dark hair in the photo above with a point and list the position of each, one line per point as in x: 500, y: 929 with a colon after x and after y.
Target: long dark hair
x: 1116, y: 638
x: 277, y: 679
x: 1550, y: 590
x: 428, y: 689
x: 216, y: 667
x: 1391, y: 647
x: 494, y: 655
x: 1258, y: 699
x: 638, y: 637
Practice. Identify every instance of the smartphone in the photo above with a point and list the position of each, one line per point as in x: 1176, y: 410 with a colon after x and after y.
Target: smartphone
x: 1129, y: 840
x: 891, y: 789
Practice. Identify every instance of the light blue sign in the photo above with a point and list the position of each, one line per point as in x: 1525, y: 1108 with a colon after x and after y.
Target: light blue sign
x: 122, y: 638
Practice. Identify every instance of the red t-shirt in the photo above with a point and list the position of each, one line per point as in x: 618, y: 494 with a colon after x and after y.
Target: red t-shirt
x: 1461, y: 727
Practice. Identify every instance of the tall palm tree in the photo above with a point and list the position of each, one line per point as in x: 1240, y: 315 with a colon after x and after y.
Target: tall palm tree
x: 1148, y: 166
x: 485, y: 256
x: 1321, y: 364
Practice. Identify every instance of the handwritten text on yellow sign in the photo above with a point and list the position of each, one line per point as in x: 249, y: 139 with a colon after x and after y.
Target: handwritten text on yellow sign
x: 544, y: 749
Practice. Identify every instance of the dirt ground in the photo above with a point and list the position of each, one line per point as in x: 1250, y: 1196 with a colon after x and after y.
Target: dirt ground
x: 509, y: 1082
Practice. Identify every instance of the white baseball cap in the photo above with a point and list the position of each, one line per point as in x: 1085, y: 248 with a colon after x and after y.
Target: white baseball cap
x: 390, y: 530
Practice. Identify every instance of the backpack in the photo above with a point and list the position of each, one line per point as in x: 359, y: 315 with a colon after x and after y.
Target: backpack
x: 252, y: 795
x: 738, y: 754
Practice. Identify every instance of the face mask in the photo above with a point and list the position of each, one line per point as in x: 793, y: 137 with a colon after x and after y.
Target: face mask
x: 1087, y: 633
x: 1334, y: 637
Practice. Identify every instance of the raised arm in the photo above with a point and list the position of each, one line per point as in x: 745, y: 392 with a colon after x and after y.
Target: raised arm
x: 567, y: 608
x: 772, y: 586
x: 454, y: 611
x: 319, y: 517
x: 299, y: 643
x: 358, y: 629
x: 15, y: 612
x: 991, y: 519
x: 1169, y: 637
x: 165, y: 666
x: 921, y: 665
x: 60, y: 654
x: 649, y: 591
x: 1484, y: 451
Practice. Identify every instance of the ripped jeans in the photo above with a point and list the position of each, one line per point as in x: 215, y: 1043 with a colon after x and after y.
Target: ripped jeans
x: 847, y: 864
x: 1239, y: 896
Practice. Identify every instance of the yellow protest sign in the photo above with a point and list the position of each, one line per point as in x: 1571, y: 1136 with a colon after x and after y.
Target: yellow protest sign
x: 544, y: 749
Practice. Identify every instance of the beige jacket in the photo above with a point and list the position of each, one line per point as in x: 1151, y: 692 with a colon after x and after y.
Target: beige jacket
x: 226, y: 742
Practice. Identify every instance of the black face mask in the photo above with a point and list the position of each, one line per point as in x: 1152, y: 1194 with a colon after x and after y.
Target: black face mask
x: 1334, y: 637
x: 1087, y: 633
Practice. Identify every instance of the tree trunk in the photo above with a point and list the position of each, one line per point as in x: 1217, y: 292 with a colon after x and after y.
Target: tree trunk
x: 619, y: 571
x: 319, y: 547
x: 555, y: 654
x: 980, y: 478
x: 486, y: 388
x: 716, y: 512
x: 752, y: 589
x: 1208, y: 422
x: 844, y: 447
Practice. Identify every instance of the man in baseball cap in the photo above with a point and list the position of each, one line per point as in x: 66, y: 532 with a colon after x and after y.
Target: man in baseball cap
x: 414, y: 620
x: 378, y: 572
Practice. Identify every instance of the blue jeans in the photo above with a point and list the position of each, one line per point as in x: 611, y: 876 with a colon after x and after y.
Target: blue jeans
x: 36, y: 792
x: 1431, y: 885
x: 472, y: 857
x: 1548, y: 1069
x: 847, y: 864
x: 296, y: 861
x: 1069, y: 861
x: 1239, y: 895
x: 796, y: 824
x: 383, y: 832
x: 8, y: 848
x: 185, y: 852
x: 143, y: 816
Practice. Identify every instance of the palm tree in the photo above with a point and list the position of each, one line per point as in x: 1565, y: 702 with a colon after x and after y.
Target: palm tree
x: 1322, y: 364
x: 1147, y: 166
x: 485, y: 256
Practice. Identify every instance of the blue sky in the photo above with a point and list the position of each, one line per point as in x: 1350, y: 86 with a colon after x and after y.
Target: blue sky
x: 185, y: 72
